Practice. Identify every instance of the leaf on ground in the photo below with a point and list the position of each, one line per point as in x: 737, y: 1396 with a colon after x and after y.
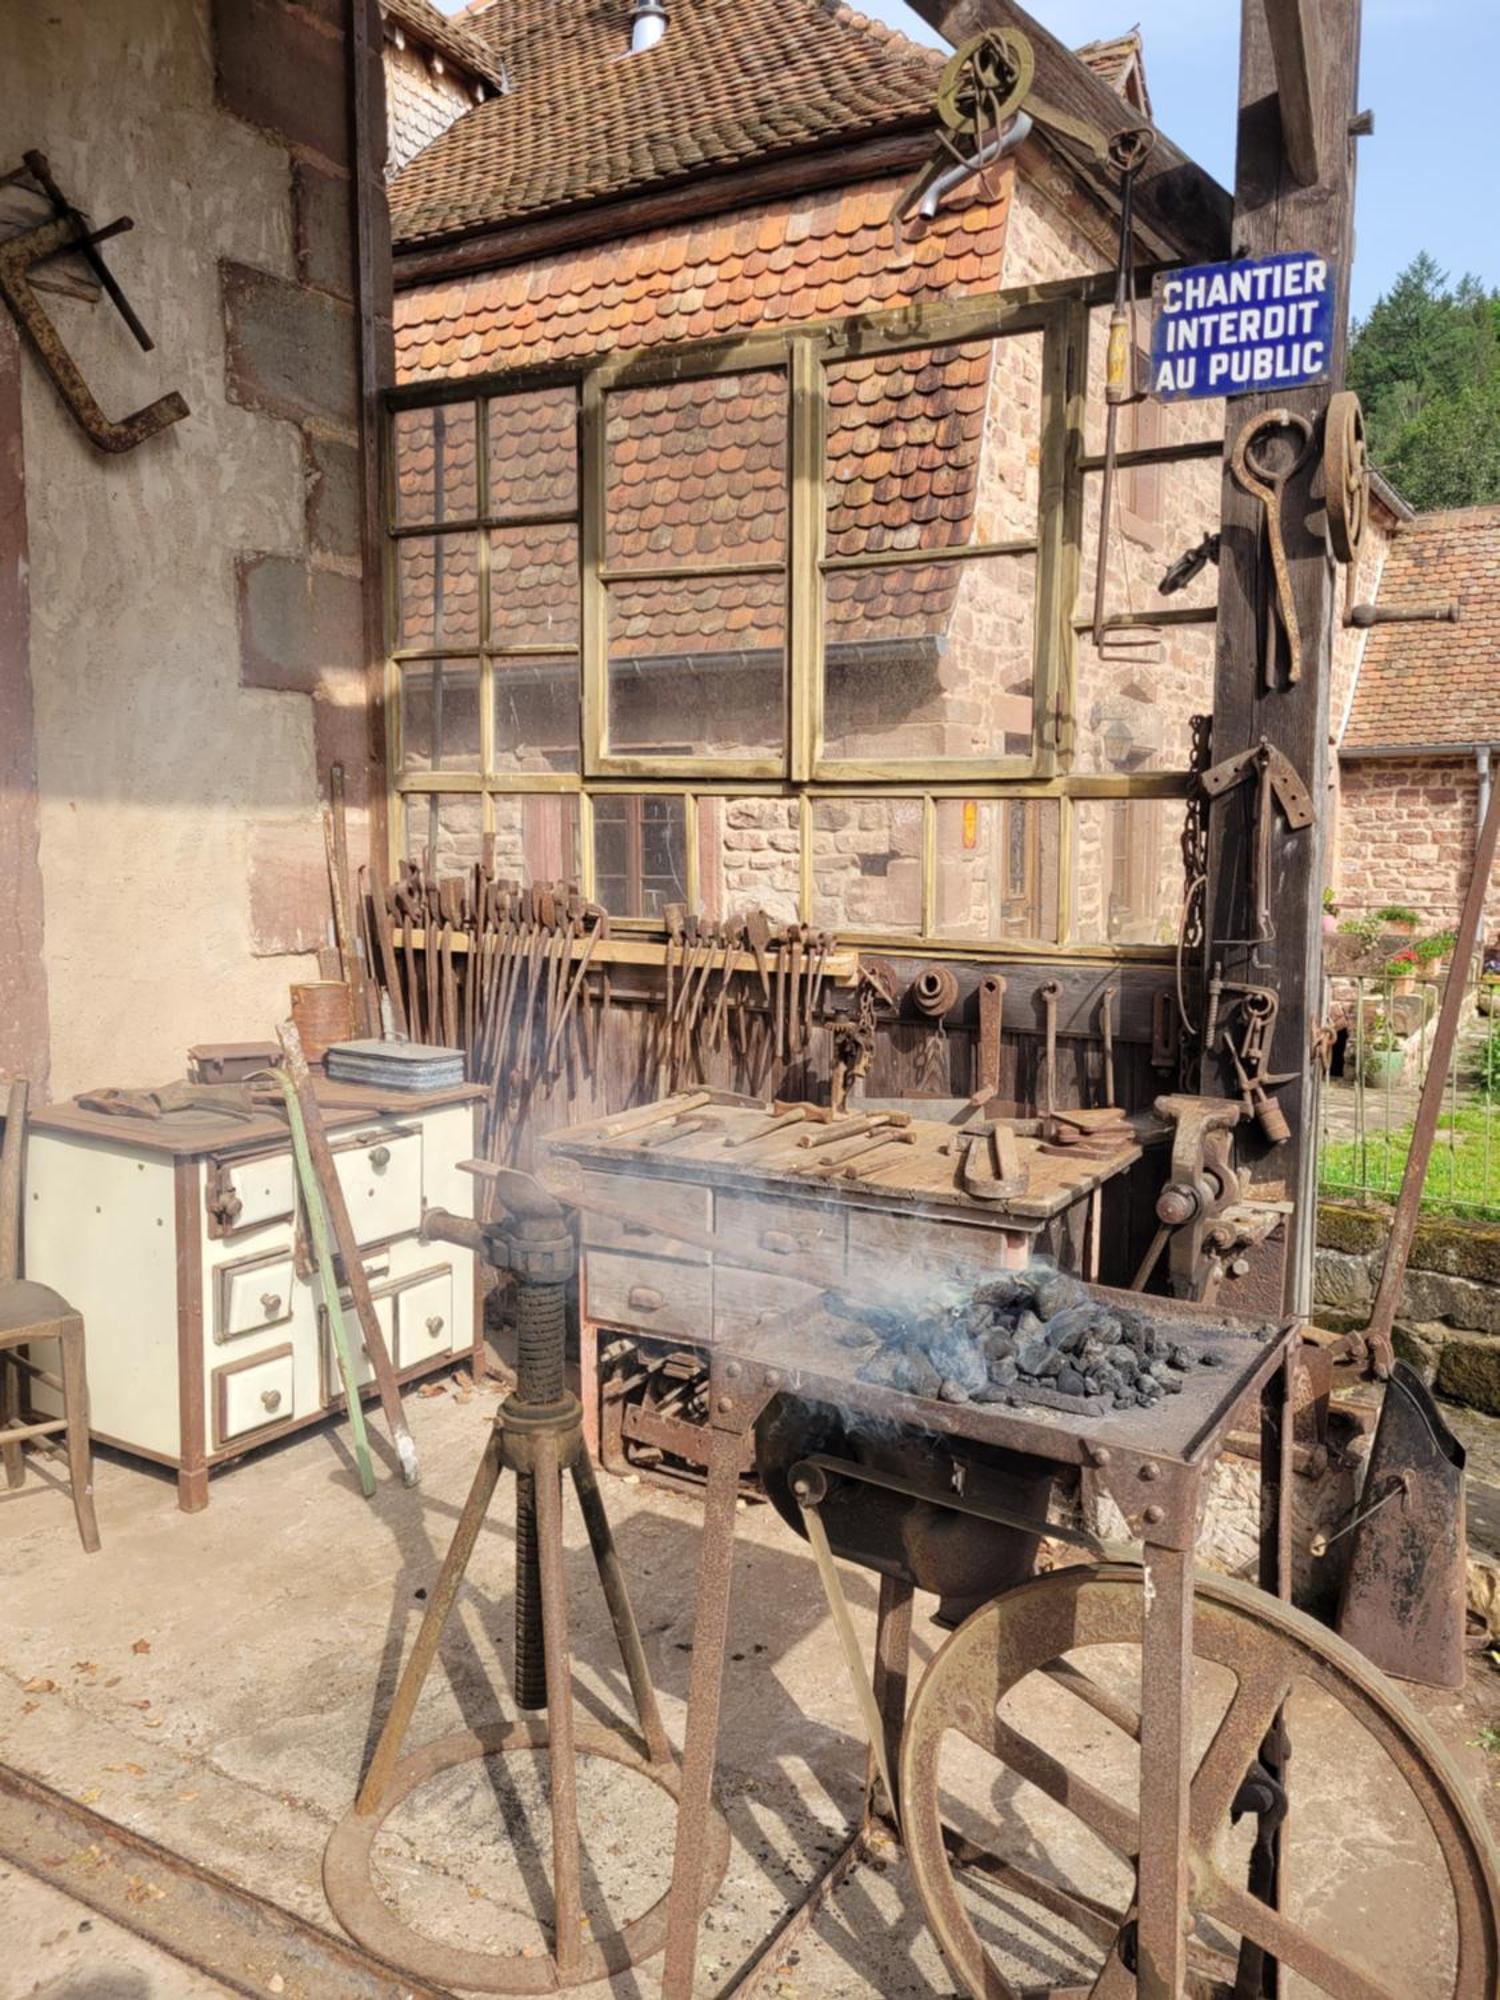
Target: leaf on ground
x: 146, y: 1703
x: 85, y: 1667
x: 93, y: 1793
x: 39, y: 1684
x: 431, y: 1389
x: 141, y: 1646
x: 186, y: 1798
x: 153, y: 1722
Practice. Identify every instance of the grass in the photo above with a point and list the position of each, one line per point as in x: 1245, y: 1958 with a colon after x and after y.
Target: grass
x: 1488, y: 1739
x: 1463, y: 1175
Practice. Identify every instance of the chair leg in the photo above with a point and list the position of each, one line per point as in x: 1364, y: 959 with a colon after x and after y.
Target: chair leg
x: 10, y: 1410
x: 76, y: 1410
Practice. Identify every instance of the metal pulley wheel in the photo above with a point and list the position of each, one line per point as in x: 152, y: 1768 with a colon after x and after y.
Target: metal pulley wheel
x: 1346, y: 474
x: 985, y: 81
x: 1389, y: 1884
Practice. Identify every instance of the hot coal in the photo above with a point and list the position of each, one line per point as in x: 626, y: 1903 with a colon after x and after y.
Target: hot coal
x: 1026, y: 1336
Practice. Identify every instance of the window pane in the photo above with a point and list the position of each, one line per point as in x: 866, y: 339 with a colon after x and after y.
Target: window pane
x: 440, y: 715
x: 435, y: 464
x: 697, y: 471
x: 536, y: 713
x: 536, y: 836
x: 534, y: 587
x: 445, y: 830
x: 697, y: 667
x: 437, y: 592
x: 533, y: 443
x: 748, y: 857
x: 1127, y: 871
x: 997, y: 869
x: 640, y: 852
x: 935, y: 448
x: 867, y: 864
x: 927, y: 661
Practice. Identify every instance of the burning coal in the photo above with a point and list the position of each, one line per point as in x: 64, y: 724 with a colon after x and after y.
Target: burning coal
x: 1028, y: 1336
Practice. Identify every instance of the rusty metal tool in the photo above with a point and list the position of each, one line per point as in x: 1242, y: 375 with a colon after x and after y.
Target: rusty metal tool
x: 794, y: 990
x: 849, y: 1128
x: 780, y: 1001
x: 673, y: 915
x: 990, y: 998
x: 1278, y: 783
x: 825, y: 948
x: 380, y: 923
x: 758, y: 937
x: 354, y: 1274
x: 1051, y: 994
x: 597, y: 930
x: 450, y: 904
x: 1268, y: 485
x: 1107, y: 1038
x: 19, y: 257
x: 336, y: 842
x: 734, y: 943
x: 992, y: 1169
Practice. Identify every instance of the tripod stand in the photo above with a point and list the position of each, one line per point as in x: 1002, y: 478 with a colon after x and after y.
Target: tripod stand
x: 537, y: 1436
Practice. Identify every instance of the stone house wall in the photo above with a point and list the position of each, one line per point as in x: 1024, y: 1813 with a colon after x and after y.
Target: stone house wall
x: 1406, y: 833
x: 197, y: 642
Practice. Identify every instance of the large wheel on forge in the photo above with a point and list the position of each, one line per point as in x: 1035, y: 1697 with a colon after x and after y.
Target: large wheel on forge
x: 1023, y: 1738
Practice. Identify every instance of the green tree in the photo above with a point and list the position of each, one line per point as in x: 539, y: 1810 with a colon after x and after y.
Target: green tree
x: 1426, y: 364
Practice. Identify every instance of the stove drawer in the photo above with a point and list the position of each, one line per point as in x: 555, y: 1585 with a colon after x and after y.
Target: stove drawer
x: 653, y: 1294
x: 660, y: 1202
x: 253, y: 1394
x: 808, y: 1237
x: 253, y: 1294
x: 424, y: 1317
x: 381, y: 1176
x: 244, y: 1194
x: 384, y: 1302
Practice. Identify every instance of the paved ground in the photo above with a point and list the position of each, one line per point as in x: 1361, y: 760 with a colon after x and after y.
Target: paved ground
x: 212, y: 1680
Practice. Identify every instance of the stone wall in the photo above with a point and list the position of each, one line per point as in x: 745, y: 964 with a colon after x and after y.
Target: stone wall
x: 1406, y: 832
x: 197, y: 639
x: 1448, y: 1323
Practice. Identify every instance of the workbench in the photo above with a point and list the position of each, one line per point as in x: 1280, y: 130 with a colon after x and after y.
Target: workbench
x: 771, y: 1236
x: 180, y: 1240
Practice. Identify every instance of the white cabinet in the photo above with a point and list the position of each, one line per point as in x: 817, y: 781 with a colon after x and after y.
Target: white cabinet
x: 182, y: 1245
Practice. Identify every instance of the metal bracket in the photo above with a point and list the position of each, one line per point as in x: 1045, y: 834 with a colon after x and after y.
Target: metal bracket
x: 19, y: 256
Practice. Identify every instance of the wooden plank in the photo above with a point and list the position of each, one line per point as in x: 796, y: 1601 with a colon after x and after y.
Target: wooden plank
x: 1175, y: 200
x: 1297, y: 55
x: 1273, y: 212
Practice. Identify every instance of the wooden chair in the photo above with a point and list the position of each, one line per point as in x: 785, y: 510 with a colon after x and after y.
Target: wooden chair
x: 30, y: 1313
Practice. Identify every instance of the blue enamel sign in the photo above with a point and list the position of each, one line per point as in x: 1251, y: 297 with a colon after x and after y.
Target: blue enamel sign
x: 1262, y: 324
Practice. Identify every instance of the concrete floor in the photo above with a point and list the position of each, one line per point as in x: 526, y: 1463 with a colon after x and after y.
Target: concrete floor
x: 213, y: 1680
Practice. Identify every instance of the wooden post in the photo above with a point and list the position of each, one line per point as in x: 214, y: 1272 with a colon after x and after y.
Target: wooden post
x: 1274, y: 211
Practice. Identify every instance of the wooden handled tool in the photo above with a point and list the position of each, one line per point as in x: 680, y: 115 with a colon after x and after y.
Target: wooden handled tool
x: 355, y: 1275
x: 850, y: 1128
x: 758, y: 936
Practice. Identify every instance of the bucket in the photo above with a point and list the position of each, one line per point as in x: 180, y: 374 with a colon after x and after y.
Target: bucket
x: 323, y: 1013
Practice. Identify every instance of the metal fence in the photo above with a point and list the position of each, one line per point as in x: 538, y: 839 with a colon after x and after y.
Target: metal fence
x: 1382, y: 1048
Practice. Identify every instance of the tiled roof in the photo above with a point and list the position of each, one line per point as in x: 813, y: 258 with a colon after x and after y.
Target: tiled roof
x: 730, y: 82
x: 1435, y: 684
x: 453, y: 39
x: 1114, y: 61
x: 698, y: 469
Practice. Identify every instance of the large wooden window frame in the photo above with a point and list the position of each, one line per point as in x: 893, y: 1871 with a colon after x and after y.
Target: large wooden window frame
x: 1060, y: 314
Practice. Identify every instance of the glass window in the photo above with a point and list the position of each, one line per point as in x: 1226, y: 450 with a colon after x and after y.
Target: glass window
x: 697, y: 667
x: 533, y: 452
x: 997, y: 872
x: 445, y: 830
x: 1127, y: 871
x: 440, y: 715
x: 640, y: 852
x: 867, y: 864
x: 929, y: 662
x: 749, y: 857
x: 435, y: 464
x: 534, y: 587
x: 437, y: 593
x: 536, y: 836
x: 536, y: 713
x: 696, y: 472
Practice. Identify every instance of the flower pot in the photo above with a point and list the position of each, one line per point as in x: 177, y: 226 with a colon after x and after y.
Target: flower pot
x: 1404, y: 986
x: 1383, y: 1068
x: 1330, y: 925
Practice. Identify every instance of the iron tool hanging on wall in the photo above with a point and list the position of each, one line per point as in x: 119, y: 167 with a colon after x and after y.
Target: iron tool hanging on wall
x: 67, y: 232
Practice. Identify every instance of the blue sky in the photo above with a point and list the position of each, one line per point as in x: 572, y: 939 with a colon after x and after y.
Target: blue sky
x: 1430, y: 177
x: 1428, y: 180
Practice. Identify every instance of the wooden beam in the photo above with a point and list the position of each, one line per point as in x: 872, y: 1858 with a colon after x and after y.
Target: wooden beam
x: 1274, y: 212
x: 1174, y: 198
x: 1297, y: 55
